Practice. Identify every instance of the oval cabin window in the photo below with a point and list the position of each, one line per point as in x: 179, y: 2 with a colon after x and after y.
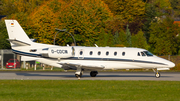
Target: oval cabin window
x: 107, y: 53
x: 115, y: 53
x: 123, y: 53
x: 90, y: 53
x: 99, y: 53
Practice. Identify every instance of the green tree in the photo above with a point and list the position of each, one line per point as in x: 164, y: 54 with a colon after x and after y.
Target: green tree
x: 139, y: 40
x: 116, y: 38
x: 105, y: 39
x: 150, y: 15
x: 163, y: 37
x: 175, y: 4
x: 155, y: 10
x: 128, y: 36
x: 120, y: 39
x: 4, y: 43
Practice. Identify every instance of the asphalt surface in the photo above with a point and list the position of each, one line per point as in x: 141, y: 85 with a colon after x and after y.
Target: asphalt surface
x: 24, y: 75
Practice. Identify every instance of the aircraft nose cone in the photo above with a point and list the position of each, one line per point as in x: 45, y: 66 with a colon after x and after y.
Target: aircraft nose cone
x: 171, y: 64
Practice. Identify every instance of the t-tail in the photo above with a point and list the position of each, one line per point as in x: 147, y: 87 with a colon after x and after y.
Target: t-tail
x: 17, y: 36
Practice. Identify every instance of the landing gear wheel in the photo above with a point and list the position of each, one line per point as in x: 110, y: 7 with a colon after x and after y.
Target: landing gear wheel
x: 157, y: 75
x: 93, y: 73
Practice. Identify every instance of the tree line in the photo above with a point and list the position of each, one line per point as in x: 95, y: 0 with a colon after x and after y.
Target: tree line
x: 147, y: 24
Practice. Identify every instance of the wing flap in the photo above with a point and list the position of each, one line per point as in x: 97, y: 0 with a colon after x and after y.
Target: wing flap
x: 84, y: 66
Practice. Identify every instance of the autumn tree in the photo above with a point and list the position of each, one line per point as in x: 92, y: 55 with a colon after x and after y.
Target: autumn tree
x: 84, y: 19
x: 127, y: 12
x: 43, y: 23
x: 8, y: 7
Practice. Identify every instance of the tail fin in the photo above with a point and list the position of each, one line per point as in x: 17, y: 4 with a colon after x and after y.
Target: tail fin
x: 17, y: 36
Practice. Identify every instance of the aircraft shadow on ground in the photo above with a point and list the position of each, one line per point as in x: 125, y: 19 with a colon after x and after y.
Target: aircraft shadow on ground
x: 72, y: 75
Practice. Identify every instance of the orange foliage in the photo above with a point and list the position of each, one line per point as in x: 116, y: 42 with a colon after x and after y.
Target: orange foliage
x: 178, y: 22
x: 81, y: 18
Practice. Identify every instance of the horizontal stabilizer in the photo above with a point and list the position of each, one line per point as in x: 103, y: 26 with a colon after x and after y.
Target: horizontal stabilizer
x: 18, y: 43
x: 27, y: 58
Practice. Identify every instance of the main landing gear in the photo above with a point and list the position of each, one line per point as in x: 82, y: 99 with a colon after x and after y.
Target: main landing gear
x: 157, y: 74
x: 79, y: 73
x: 93, y: 73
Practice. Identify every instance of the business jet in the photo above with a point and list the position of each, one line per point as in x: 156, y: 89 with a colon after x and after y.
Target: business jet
x: 81, y: 58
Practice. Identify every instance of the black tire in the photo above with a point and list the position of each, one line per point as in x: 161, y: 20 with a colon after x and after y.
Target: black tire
x: 93, y: 73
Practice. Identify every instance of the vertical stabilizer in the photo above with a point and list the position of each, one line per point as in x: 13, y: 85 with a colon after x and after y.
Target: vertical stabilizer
x: 16, y: 32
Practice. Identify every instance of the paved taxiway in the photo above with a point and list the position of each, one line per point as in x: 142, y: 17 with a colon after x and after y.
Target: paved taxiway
x: 23, y: 75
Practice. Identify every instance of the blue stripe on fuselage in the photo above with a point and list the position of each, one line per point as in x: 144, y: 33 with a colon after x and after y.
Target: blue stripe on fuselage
x: 88, y: 58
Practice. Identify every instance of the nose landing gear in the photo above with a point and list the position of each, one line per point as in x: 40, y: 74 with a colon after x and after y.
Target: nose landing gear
x: 157, y: 74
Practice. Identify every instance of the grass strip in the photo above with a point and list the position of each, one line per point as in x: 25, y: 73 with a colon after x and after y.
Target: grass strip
x: 88, y: 90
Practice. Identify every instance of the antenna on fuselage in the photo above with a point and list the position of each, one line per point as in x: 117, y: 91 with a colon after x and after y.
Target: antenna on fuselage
x: 96, y: 45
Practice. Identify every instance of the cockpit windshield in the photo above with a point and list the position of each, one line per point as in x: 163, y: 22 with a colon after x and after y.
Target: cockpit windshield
x: 148, y: 53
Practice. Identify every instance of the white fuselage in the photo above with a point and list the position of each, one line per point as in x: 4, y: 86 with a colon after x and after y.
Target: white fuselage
x: 108, y: 57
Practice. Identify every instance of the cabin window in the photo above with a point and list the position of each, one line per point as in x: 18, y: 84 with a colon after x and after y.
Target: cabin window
x: 107, y: 53
x: 142, y: 53
x: 138, y: 54
x: 148, y: 53
x: 123, y: 53
x: 90, y: 53
x: 115, y: 53
x: 99, y: 53
x: 81, y: 52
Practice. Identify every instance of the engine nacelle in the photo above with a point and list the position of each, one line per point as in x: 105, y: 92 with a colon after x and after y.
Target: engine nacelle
x: 60, y: 52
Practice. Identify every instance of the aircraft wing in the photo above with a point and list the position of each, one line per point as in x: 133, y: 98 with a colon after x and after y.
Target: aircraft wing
x: 83, y: 66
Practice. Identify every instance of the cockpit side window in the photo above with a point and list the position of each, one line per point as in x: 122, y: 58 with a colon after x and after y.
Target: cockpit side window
x: 143, y: 54
x: 138, y: 54
x: 148, y: 53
